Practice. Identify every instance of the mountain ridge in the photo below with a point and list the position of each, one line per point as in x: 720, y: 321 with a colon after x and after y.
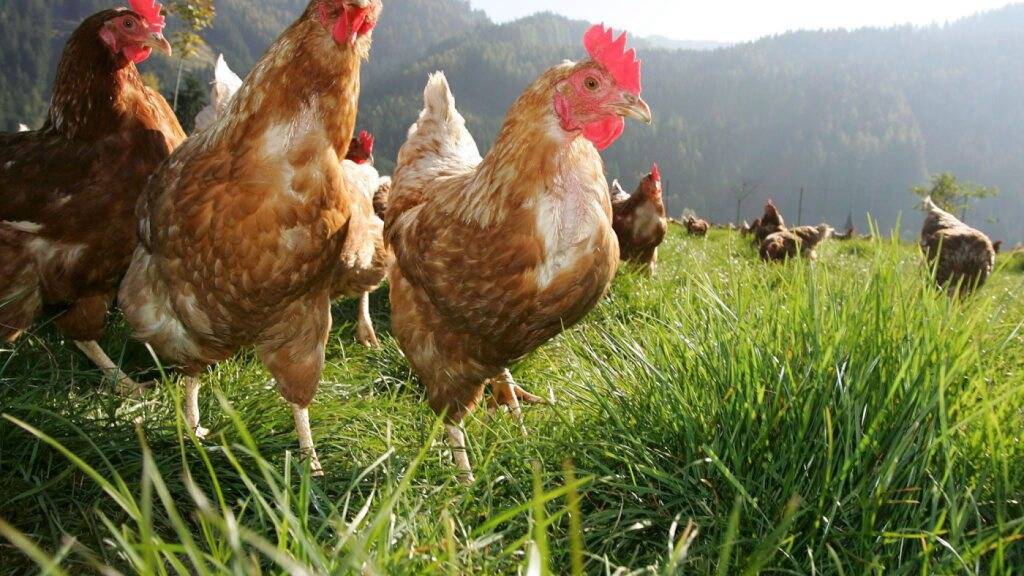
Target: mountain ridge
x: 854, y: 117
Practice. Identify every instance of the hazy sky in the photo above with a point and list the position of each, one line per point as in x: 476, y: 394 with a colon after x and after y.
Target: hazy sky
x: 738, y: 20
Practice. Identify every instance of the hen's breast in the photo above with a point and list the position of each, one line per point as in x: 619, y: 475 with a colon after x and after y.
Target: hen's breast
x: 577, y: 261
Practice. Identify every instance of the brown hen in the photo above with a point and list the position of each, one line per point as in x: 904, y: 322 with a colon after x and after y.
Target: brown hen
x: 250, y: 227
x: 962, y: 256
x: 496, y: 256
x: 68, y: 191
x: 640, y: 221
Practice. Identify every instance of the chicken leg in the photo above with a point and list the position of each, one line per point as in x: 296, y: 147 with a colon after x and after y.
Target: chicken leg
x: 365, y: 334
x: 125, y: 385
x: 192, y: 385
x: 293, y: 352
x: 306, y: 447
x: 83, y: 322
x: 457, y: 439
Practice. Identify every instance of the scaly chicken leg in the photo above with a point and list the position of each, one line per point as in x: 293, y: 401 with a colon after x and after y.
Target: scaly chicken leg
x: 192, y: 385
x: 83, y: 323
x: 365, y: 334
x: 457, y: 439
x: 306, y: 447
x: 92, y: 350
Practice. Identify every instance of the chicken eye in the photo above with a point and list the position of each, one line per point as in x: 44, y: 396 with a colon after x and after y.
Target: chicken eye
x: 129, y: 23
x: 591, y: 83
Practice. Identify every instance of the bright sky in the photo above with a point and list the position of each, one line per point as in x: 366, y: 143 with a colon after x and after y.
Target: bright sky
x: 740, y: 20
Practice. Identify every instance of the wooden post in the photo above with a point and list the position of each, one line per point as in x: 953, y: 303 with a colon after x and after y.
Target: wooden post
x: 800, y: 209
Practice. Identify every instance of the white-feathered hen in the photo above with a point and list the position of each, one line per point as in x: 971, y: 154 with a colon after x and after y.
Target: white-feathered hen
x: 222, y: 89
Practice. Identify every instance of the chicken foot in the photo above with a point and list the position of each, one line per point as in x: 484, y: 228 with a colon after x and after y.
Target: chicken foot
x: 505, y: 392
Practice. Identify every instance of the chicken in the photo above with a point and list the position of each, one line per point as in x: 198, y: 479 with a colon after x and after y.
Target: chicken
x: 696, y: 226
x: 248, y: 229
x: 787, y: 244
x: 962, y: 256
x: 811, y: 237
x: 496, y: 256
x: 997, y: 246
x: 850, y: 234
x: 640, y: 221
x: 23, y: 128
x: 770, y: 223
x: 224, y: 86
x: 359, y: 174
x: 68, y: 191
x: 780, y: 247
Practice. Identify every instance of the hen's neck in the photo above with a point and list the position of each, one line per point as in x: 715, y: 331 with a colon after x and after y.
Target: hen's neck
x: 305, y: 73
x: 530, y: 156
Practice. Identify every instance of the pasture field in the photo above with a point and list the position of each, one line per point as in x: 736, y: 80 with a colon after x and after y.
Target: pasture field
x: 723, y: 417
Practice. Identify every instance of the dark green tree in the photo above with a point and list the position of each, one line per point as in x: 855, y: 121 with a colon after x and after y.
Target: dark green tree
x: 196, y: 15
x: 953, y: 195
x: 193, y: 97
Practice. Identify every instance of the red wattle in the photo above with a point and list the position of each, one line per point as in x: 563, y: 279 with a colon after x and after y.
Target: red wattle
x: 137, y: 54
x: 604, y: 133
x: 351, y: 25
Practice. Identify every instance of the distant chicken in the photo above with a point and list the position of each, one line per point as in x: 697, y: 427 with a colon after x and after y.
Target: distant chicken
x: 23, y: 128
x: 360, y: 175
x: 696, y: 226
x: 789, y: 244
x: 250, y: 227
x: 68, y: 191
x: 811, y: 237
x: 771, y: 223
x: 496, y: 256
x: 640, y: 221
x: 962, y: 256
x: 780, y: 247
x: 224, y: 86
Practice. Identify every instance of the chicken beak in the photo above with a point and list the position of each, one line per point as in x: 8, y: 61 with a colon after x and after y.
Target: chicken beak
x: 633, y: 106
x: 157, y: 42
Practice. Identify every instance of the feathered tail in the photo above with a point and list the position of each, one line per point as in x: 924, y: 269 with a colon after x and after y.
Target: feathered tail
x: 438, y: 142
x: 438, y: 146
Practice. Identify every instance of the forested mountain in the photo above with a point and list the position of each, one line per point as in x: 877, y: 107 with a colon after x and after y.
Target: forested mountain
x: 854, y: 117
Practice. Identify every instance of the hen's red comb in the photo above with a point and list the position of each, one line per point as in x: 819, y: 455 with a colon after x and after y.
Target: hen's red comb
x: 150, y: 10
x: 366, y: 141
x: 655, y: 173
x: 611, y: 53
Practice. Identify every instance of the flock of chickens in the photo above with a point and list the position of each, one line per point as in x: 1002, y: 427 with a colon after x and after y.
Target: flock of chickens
x: 244, y: 232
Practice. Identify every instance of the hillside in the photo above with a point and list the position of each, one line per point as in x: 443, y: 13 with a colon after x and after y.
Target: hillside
x: 854, y: 117
x: 242, y: 30
x: 834, y: 112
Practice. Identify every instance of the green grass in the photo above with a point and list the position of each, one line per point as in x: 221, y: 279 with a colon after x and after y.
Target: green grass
x: 724, y: 417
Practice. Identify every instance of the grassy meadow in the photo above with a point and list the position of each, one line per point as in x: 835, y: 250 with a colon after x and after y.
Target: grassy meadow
x: 722, y: 417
